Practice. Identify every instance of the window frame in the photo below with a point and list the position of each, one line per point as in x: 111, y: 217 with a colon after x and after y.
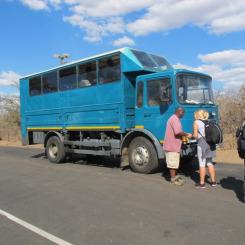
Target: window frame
x: 96, y: 72
x: 76, y: 77
x: 76, y: 65
x: 57, y: 77
x: 29, y: 80
x: 193, y: 74
x: 98, y: 68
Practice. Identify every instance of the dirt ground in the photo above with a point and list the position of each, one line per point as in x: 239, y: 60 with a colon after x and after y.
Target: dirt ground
x: 228, y: 156
x: 18, y: 144
x: 223, y: 156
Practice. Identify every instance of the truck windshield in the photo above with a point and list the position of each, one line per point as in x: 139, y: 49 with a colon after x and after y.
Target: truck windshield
x: 151, y: 61
x: 194, y: 89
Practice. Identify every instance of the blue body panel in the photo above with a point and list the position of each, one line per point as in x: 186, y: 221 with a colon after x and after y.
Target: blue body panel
x: 103, y: 105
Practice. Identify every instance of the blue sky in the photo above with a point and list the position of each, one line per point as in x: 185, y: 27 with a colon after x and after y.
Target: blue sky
x: 202, y: 35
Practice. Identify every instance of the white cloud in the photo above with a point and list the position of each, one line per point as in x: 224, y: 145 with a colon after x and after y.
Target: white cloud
x: 9, y: 78
x: 99, y: 18
x: 107, y: 8
x: 230, y: 57
x: 124, y: 41
x: 36, y: 4
x: 42, y: 4
x: 227, y: 66
x: 220, y: 16
x: 96, y: 30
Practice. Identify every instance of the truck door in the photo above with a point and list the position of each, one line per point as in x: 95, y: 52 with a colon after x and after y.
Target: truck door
x: 154, y: 105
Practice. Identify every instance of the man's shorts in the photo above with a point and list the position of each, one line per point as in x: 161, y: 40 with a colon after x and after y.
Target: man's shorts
x: 172, y: 159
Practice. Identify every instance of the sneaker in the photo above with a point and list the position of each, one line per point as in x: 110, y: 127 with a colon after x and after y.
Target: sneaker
x: 200, y: 186
x: 180, y: 179
x: 213, y: 184
x: 177, y: 181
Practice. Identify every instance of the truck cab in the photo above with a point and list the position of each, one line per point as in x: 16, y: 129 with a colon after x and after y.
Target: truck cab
x: 157, y: 97
x: 159, y: 94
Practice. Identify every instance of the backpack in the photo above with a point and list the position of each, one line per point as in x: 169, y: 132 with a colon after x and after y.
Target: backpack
x: 241, y: 142
x: 213, y: 132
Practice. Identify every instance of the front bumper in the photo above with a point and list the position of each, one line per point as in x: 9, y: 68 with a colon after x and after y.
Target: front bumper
x: 189, y: 149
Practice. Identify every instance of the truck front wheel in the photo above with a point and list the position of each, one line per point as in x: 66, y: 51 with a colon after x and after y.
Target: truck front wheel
x: 142, y: 156
x: 55, y: 150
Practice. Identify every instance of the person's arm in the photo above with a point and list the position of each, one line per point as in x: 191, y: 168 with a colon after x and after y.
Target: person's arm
x: 179, y: 132
x: 195, y: 130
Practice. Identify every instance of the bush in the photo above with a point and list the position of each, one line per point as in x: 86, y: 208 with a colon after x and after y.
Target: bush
x: 232, y: 114
x: 9, y: 118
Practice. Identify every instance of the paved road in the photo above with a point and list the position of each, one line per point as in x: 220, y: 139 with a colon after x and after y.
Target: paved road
x: 95, y: 203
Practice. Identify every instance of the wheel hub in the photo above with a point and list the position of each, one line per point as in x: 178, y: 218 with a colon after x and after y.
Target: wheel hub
x: 141, y: 156
x: 53, y: 150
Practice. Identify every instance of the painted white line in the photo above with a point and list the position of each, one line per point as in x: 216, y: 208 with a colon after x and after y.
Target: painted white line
x: 35, y: 229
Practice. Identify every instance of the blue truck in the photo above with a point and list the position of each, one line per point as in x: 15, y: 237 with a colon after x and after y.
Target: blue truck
x: 113, y: 104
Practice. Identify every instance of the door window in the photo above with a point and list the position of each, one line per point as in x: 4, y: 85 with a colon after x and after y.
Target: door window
x: 159, y: 92
x: 140, y: 95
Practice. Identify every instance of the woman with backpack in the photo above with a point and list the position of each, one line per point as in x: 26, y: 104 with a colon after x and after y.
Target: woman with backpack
x: 205, y: 151
x: 240, y: 134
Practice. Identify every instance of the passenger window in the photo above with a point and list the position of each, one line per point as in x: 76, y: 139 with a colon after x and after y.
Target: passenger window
x: 109, y: 69
x: 68, y: 79
x: 35, y: 86
x: 50, y: 82
x: 140, y: 95
x: 159, y: 92
x: 87, y: 75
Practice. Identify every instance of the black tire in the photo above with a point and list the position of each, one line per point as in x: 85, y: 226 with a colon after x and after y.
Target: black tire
x: 57, y: 155
x: 142, y: 156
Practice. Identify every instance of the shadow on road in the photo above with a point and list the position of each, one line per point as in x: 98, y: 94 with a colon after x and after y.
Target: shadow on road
x: 189, y: 170
x: 107, y: 162
x: 41, y: 155
x: 235, y: 185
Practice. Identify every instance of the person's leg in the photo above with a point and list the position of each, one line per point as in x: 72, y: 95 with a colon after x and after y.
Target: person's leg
x: 202, y: 175
x: 170, y: 164
x: 202, y: 165
x: 172, y: 159
x: 172, y: 173
x: 211, y: 170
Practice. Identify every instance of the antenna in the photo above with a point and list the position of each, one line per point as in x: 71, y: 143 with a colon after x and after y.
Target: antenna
x: 62, y: 57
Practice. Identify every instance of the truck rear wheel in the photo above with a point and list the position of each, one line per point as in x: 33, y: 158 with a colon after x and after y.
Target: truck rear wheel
x: 55, y: 150
x: 142, y: 156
